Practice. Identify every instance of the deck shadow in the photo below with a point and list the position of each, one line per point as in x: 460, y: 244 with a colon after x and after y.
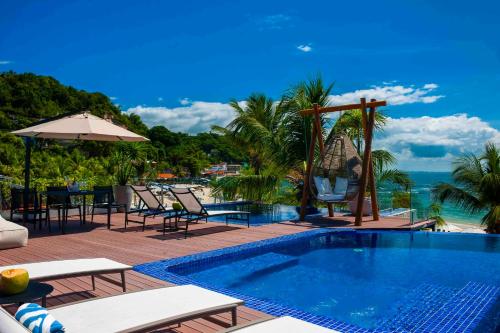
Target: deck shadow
x: 194, y: 232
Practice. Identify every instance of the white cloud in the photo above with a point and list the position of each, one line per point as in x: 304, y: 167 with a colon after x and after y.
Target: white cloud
x: 113, y: 98
x: 185, y: 101
x: 430, y: 86
x: 432, y: 143
x: 394, y: 95
x: 305, y: 48
x: 274, y: 22
x: 191, y: 117
x: 5, y: 62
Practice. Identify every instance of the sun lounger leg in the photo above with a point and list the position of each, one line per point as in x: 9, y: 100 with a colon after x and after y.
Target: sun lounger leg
x: 124, y: 285
x: 234, y: 317
x: 93, y: 281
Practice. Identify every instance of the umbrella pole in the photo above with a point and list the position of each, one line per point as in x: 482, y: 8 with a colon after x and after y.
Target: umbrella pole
x: 27, y: 163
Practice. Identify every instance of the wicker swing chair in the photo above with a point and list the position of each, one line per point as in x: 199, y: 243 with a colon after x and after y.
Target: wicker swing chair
x: 339, y: 165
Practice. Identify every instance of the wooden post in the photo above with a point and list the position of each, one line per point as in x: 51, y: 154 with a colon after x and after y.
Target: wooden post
x: 28, y: 142
x: 371, y: 175
x: 310, y: 161
x: 321, y: 143
x: 366, y: 160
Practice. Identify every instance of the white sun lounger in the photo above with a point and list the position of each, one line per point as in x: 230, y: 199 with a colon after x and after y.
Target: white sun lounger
x: 137, y: 311
x: 281, y: 324
x: 61, y: 269
x: 143, y: 310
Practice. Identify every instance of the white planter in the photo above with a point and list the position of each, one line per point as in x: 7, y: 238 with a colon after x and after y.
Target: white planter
x: 123, y: 196
x: 367, y: 206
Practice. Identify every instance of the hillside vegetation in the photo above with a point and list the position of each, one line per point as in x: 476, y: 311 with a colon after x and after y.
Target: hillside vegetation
x: 28, y: 98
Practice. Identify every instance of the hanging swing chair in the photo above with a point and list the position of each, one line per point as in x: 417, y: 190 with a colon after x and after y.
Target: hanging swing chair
x: 341, y: 165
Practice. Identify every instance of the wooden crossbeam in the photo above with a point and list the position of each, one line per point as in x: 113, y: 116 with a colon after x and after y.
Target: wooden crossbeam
x: 346, y: 107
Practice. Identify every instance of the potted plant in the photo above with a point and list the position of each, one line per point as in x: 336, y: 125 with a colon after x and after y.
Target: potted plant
x: 124, y: 171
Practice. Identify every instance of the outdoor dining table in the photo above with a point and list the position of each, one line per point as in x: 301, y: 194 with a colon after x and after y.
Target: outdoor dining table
x: 83, y: 194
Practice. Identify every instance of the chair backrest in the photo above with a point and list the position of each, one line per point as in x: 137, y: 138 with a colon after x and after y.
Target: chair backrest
x: 188, y: 200
x: 58, y: 195
x: 103, y: 194
x: 17, y: 198
x: 323, y: 185
x: 341, y: 184
x: 147, y: 197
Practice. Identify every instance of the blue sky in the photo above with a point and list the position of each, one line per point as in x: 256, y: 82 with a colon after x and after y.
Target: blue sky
x: 178, y: 63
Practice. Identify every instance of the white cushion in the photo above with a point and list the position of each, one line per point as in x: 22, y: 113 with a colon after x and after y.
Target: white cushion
x: 60, y: 268
x: 133, y: 310
x: 9, y: 324
x: 12, y: 234
x: 283, y: 324
x: 225, y: 212
x: 323, y: 185
x: 340, y: 186
x: 331, y: 197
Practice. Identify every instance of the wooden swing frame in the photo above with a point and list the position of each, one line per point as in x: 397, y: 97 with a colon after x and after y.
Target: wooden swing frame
x: 367, y: 175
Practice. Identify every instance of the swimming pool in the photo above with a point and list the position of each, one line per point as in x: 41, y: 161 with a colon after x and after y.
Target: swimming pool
x: 357, y: 281
x: 264, y: 214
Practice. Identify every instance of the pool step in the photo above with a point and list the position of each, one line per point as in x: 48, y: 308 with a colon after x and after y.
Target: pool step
x: 415, y: 307
x: 259, y: 266
x: 464, y: 311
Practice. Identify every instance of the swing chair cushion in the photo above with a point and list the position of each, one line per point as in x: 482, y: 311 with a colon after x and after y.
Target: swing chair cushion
x: 325, y: 192
x: 323, y: 185
x: 340, y: 186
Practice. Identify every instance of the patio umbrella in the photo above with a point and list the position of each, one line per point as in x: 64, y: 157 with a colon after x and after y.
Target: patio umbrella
x: 79, y: 126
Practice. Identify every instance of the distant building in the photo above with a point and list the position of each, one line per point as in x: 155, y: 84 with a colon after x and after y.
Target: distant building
x: 166, y: 176
x: 223, y: 169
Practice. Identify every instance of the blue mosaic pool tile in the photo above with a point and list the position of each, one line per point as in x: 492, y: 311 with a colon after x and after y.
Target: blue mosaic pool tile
x: 461, y: 313
x: 464, y: 311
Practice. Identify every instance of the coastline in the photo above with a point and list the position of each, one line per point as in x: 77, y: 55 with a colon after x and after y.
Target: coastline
x: 464, y: 227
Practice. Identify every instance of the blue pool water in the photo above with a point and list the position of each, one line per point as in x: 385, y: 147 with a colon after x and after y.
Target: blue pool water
x: 382, y: 281
x: 264, y: 214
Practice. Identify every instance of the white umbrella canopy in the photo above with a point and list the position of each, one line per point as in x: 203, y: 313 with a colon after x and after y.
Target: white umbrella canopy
x: 82, y: 126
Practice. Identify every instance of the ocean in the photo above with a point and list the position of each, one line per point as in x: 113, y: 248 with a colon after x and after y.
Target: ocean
x: 421, y: 196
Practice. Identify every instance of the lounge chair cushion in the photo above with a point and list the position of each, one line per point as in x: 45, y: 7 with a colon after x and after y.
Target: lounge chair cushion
x: 323, y: 185
x: 37, y: 319
x: 282, y: 324
x: 61, y: 268
x: 340, y: 186
x: 225, y: 212
x: 9, y: 324
x: 12, y: 235
x: 132, y: 311
x: 331, y: 197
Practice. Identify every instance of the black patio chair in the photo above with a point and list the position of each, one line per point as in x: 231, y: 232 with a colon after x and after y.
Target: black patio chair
x: 104, y: 198
x: 34, y: 207
x: 58, y: 198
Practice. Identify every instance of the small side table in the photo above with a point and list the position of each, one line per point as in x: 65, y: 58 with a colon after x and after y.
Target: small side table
x: 34, y: 291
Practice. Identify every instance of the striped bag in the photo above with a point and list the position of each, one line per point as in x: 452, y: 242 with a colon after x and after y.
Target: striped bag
x: 37, y: 319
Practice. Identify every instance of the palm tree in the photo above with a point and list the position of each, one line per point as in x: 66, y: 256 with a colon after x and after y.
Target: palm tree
x: 382, y: 163
x: 351, y: 123
x: 254, y: 127
x: 275, y: 136
x: 477, y: 188
x: 435, y: 214
x: 295, y: 130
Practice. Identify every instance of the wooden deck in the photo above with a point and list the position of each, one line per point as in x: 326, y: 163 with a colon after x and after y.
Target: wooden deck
x: 132, y: 246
